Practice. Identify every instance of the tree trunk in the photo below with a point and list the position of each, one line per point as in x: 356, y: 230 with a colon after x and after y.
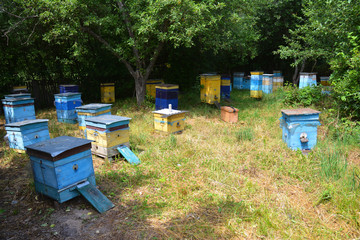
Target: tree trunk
x: 296, y: 76
x: 140, y: 88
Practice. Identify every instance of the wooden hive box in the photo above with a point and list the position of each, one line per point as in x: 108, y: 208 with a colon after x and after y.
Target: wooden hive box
x: 229, y: 114
x: 307, y: 79
x: 65, y: 104
x: 166, y: 94
x: 68, y: 88
x: 18, y: 109
x: 18, y: 95
x: 267, y: 83
x: 91, y: 110
x: 238, y: 80
x: 24, y: 133
x: 299, y: 128
x: 108, y: 133
x: 151, y: 86
x: 107, y: 92
x: 225, y: 87
x: 210, y: 88
x: 20, y: 89
x: 256, y: 85
x: 169, y: 120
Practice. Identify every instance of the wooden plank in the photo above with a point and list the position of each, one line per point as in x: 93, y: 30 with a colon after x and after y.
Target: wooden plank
x: 128, y: 155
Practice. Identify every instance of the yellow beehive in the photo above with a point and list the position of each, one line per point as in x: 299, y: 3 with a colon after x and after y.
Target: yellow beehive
x: 210, y: 88
x: 150, y: 86
x: 107, y: 92
x: 169, y: 120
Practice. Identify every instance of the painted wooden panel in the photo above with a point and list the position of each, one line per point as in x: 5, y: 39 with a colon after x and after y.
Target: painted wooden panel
x: 277, y: 73
x: 166, y: 94
x: 18, y: 109
x: 150, y: 86
x: 256, y: 84
x: 238, y: 80
x: 106, y: 152
x: 210, y: 88
x: 107, y: 92
x: 108, y: 139
x: 65, y: 104
x: 307, y: 79
x: 69, y: 88
x: 225, y: 87
x: 18, y: 95
x: 128, y: 155
x: 267, y: 84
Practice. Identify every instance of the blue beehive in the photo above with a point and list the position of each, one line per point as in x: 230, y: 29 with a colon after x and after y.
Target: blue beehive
x: 63, y: 169
x: 307, y: 79
x: 18, y: 109
x: 21, y: 134
x: 225, y: 87
x: 69, y: 88
x: 166, y: 94
x: 18, y: 95
x: 65, y: 104
x: 238, y: 80
x: 91, y: 110
x: 299, y: 128
x: 267, y: 83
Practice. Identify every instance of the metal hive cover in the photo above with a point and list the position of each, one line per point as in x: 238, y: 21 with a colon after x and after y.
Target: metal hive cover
x: 26, y: 122
x: 15, y: 99
x: 18, y: 95
x: 167, y: 85
x: 93, y: 106
x: 68, y: 85
x: 300, y: 111
x: 107, y: 119
x: 68, y: 94
x: 266, y: 74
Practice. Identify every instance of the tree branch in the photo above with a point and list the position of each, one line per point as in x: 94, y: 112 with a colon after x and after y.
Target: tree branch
x: 153, y: 59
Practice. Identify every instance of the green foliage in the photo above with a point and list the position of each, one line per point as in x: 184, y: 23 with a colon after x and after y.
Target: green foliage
x: 302, y: 97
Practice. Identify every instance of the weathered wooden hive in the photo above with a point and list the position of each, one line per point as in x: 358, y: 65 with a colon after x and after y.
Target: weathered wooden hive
x: 166, y: 94
x: 256, y: 85
x: 169, y: 120
x: 326, y: 85
x: 63, y: 169
x: 210, y: 88
x: 18, y: 95
x: 278, y: 80
x: 151, y: 86
x: 239, y: 80
x: 65, y: 104
x: 24, y: 133
x: 18, y: 109
x: 299, y: 128
x: 225, y: 87
x: 69, y: 88
x: 107, y: 92
x: 229, y: 114
x: 307, y: 79
x: 91, y: 110
x: 267, y: 83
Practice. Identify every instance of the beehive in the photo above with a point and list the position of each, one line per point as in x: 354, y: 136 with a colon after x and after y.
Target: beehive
x: 256, y: 85
x: 169, y: 120
x: 229, y: 114
x: 20, y: 89
x: 24, y: 133
x: 225, y: 87
x: 107, y: 92
x: 278, y: 80
x: 151, y: 86
x: 18, y: 95
x: 91, y: 110
x: 307, y: 79
x: 18, y: 109
x: 299, y: 128
x: 166, y: 94
x: 326, y: 85
x: 238, y: 80
x: 69, y: 88
x: 210, y: 88
x: 65, y: 104
x: 108, y: 133
x: 267, y: 83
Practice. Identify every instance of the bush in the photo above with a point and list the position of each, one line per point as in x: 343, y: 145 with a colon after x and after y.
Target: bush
x: 304, y: 97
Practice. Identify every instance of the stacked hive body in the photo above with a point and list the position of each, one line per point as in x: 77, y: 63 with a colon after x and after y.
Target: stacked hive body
x: 107, y: 92
x: 169, y: 120
x: 256, y: 85
x: 24, y: 133
x: 278, y: 80
x: 326, y: 85
x: 166, y: 94
x: 65, y: 104
x: 69, y: 88
x: 225, y: 87
x: 91, y: 110
x: 307, y: 79
x: 151, y: 86
x: 108, y: 133
x: 299, y: 128
x: 20, y: 89
x: 239, y: 80
x: 267, y: 83
x: 210, y: 88
x: 18, y: 109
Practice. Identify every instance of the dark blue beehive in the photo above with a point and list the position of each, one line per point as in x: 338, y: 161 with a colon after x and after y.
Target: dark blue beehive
x: 65, y: 104
x: 18, y: 109
x: 69, y: 88
x: 225, y: 86
x: 166, y: 94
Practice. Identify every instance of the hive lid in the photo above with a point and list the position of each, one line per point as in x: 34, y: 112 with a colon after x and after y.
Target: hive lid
x: 229, y: 109
x: 58, y: 148
x: 93, y: 106
x: 307, y: 73
x: 299, y: 111
x: 107, y: 119
x: 166, y: 85
x: 267, y: 74
x: 67, y: 94
x: 16, y: 99
x: 107, y: 84
x: 26, y: 122
x: 18, y: 95
x: 68, y: 85
x: 166, y: 112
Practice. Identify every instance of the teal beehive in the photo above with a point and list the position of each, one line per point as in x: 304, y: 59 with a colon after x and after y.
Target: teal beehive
x: 24, y: 133
x: 18, y: 109
x: 299, y: 128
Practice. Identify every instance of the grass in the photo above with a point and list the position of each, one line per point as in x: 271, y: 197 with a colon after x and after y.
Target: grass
x: 219, y: 180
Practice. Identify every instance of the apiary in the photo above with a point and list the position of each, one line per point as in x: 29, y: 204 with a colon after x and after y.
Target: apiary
x: 63, y: 169
x: 229, y: 114
x: 169, y: 120
x: 166, y: 94
x: 18, y: 95
x: 267, y: 83
x: 91, y: 110
x: 210, y: 88
x: 150, y: 86
x: 307, y: 79
x: 256, y: 85
x: 225, y: 87
x: 18, y: 109
x: 107, y: 92
x: 65, y: 104
x: 68, y: 88
x: 239, y: 80
x: 299, y: 128
x: 24, y: 133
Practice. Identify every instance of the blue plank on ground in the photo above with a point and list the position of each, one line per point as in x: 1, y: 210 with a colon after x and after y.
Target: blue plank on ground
x: 128, y: 155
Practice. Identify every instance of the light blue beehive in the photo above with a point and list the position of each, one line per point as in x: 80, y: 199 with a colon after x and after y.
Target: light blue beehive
x: 63, y: 169
x: 299, y: 128
x: 65, y: 104
x: 18, y: 109
x: 24, y: 133
x: 267, y: 83
x: 307, y: 79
